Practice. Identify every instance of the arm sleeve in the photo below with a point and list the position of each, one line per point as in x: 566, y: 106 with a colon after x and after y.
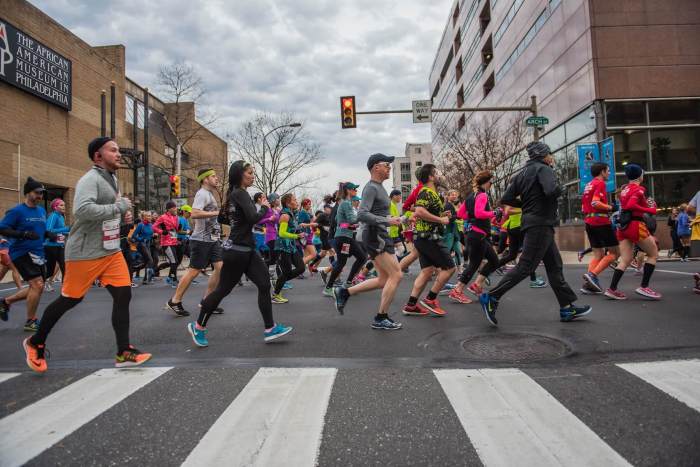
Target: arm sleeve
x: 369, y: 194
x: 8, y: 225
x: 241, y: 199
x: 479, y: 205
x: 284, y: 233
x: 549, y: 183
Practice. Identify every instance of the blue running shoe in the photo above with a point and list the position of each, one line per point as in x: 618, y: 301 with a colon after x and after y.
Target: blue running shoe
x: 287, y: 286
x: 489, y: 305
x: 386, y: 324
x: 538, y: 283
x: 341, y: 296
x: 278, y: 331
x: 199, y: 336
x: 572, y: 312
x: 593, y: 282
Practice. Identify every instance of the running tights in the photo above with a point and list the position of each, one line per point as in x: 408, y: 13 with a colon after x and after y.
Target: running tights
x: 237, y: 263
x: 347, y: 247
x: 172, y: 256
x: 55, y: 255
x: 515, y: 243
x: 479, y: 248
x: 121, y: 296
x: 291, y: 265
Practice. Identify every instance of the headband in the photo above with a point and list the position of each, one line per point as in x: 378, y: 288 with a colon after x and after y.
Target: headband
x: 204, y: 175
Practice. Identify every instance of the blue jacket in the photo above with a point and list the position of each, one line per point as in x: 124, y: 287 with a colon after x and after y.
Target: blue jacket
x: 683, y: 228
x: 56, y: 223
x: 143, y: 233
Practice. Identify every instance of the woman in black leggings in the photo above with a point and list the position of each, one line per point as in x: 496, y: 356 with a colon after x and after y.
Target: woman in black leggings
x: 476, y: 209
x: 240, y: 257
x: 289, y: 261
x: 346, y: 245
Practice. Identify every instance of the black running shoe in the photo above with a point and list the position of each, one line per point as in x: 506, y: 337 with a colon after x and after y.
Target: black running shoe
x: 177, y: 308
x: 4, y: 309
x: 341, y: 296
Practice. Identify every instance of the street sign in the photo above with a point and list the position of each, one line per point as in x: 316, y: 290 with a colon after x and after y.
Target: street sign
x: 422, y: 111
x: 537, y: 121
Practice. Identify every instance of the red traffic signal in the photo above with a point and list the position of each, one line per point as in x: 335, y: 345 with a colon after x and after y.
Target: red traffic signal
x: 347, y: 112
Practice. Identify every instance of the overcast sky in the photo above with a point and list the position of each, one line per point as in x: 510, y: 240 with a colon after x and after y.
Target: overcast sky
x: 284, y: 55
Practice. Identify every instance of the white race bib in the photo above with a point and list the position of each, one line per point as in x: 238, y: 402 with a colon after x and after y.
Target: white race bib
x: 110, y: 234
x: 60, y: 238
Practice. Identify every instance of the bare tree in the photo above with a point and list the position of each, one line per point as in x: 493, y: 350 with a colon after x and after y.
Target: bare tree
x: 278, y: 163
x: 488, y: 143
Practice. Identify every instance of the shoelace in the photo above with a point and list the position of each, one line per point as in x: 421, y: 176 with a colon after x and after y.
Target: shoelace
x: 130, y: 354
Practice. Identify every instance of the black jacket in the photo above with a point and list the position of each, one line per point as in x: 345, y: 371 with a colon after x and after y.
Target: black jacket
x: 539, y: 191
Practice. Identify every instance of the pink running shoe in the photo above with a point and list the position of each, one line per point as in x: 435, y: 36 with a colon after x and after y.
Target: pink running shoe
x: 475, y: 289
x: 648, y: 293
x: 615, y: 294
x: 458, y: 297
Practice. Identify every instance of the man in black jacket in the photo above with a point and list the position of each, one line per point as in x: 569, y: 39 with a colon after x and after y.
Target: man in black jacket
x: 539, y: 190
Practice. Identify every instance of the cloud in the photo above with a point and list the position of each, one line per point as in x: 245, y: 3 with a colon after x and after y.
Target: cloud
x: 286, y: 55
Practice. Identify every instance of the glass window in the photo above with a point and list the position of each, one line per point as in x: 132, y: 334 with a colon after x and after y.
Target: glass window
x: 580, y: 125
x: 674, y: 112
x: 570, y: 205
x: 566, y: 164
x: 625, y: 113
x: 556, y: 138
x: 671, y: 190
x: 630, y: 147
x: 405, y: 177
x: 675, y: 149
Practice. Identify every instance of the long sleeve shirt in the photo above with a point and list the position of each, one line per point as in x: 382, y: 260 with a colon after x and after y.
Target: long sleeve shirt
x: 374, y: 207
x: 166, y: 226
x: 56, y: 224
x: 345, y: 218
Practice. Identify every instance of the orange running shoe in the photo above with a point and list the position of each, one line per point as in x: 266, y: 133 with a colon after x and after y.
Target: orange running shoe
x: 35, y: 356
x: 459, y: 297
x: 415, y: 310
x: 131, y: 357
x: 434, y: 307
x: 475, y: 289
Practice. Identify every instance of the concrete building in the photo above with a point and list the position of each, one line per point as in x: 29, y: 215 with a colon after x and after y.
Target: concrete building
x: 404, y: 168
x: 52, y: 85
x: 629, y: 70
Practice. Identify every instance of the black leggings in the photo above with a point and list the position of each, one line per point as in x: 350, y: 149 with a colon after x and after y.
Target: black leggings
x: 145, y: 250
x: 479, y: 248
x: 54, y: 255
x: 237, y: 263
x: 272, y: 254
x: 121, y: 296
x: 347, y: 247
x: 515, y: 243
x: 291, y: 265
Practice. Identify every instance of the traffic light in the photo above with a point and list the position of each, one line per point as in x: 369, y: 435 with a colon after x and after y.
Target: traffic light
x: 174, y: 186
x: 347, y: 112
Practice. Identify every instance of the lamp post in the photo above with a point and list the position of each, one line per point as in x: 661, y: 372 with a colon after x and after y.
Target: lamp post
x: 288, y: 125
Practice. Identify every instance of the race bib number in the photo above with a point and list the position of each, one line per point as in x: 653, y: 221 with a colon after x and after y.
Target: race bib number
x: 173, y: 234
x: 345, y: 249
x: 60, y: 238
x: 110, y: 234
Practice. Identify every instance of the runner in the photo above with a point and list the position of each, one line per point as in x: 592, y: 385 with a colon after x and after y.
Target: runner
x: 598, y: 227
x: 374, y: 218
x: 633, y: 230
x: 345, y: 242
x: 323, y: 221
x: 125, y: 230
x: 683, y: 231
x: 167, y: 228
x: 26, y: 224
x: 205, y: 248
x: 451, y: 237
x: 433, y: 255
x: 240, y: 257
x: 269, y: 222
x: 55, y: 249
x: 7, y: 265
x: 537, y: 187
x: 476, y: 209
x: 92, y: 253
x: 307, y: 227
x: 289, y: 259
x: 183, y: 232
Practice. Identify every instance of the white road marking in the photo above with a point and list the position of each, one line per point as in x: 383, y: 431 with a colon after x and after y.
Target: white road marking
x: 277, y: 419
x: 512, y: 420
x: 678, y: 378
x: 675, y: 272
x: 35, y: 428
x: 5, y: 376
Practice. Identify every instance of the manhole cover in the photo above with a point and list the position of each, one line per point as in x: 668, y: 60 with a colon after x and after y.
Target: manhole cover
x: 514, y: 347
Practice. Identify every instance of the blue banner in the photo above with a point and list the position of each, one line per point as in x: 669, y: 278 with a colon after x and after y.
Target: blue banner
x: 607, y: 155
x: 588, y: 154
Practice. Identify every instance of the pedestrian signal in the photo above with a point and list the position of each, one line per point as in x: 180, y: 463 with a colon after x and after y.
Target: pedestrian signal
x: 347, y: 112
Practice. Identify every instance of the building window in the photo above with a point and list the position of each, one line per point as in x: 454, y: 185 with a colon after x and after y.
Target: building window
x: 419, y: 164
x: 675, y: 149
x: 460, y: 96
x: 524, y: 43
x: 625, y: 113
x: 129, y: 114
x: 455, y: 15
x: 405, y: 177
x: 487, y: 53
x: 405, y: 167
x: 674, y: 112
x: 580, y: 125
x: 488, y: 85
x: 458, y: 70
x: 418, y: 149
x: 630, y: 147
x: 512, y: 11
x: 485, y: 17
x: 671, y: 190
x: 458, y: 41
x: 556, y: 138
x: 461, y: 122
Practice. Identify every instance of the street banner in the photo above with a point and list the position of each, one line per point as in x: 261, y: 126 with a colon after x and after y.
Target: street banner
x: 588, y: 154
x: 607, y: 155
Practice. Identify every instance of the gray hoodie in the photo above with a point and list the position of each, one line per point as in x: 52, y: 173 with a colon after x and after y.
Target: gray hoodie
x: 97, y: 208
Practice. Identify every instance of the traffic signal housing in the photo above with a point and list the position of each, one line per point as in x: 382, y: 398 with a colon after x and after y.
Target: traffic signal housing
x: 347, y: 112
x: 174, y: 186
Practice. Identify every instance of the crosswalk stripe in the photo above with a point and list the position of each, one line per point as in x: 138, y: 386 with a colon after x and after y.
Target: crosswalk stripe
x: 512, y: 420
x: 5, y: 376
x: 277, y: 419
x: 28, y: 432
x: 678, y: 378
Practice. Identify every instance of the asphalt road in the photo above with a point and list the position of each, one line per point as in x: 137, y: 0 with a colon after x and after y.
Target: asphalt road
x: 441, y: 391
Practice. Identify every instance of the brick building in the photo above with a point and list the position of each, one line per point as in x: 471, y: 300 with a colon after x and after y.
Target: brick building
x: 41, y: 139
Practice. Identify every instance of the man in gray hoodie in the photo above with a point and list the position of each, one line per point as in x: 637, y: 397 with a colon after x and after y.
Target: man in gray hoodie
x: 93, y: 252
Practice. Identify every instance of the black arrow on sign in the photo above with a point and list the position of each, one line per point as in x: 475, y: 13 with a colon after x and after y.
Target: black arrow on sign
x: 422, y: 117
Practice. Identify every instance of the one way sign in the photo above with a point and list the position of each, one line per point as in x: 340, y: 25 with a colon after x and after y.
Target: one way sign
x: 422, y: 111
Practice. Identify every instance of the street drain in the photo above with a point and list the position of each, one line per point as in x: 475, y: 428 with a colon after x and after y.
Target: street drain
x: 514, y: 347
